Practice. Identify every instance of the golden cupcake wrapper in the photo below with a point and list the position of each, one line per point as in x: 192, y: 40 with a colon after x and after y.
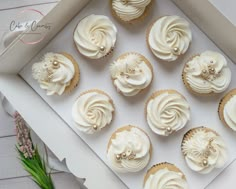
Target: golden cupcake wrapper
x: 191, y: 132
x: 75, y: 80
x: 222, y: 104
x: 160, y: 166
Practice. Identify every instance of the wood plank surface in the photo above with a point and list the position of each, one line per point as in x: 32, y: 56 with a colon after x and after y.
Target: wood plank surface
x: 6, y: 124
x: 61, y: 181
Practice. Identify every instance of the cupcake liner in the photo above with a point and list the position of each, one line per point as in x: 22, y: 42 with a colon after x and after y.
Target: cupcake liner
x: 191, y: 132
x: 222, y: 104
x: 75, y: 80
x: 160, y: 166
x: 136, y: 20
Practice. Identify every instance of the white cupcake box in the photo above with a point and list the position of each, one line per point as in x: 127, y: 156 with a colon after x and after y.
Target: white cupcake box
x: 50, y: 117
x: 216, y: 18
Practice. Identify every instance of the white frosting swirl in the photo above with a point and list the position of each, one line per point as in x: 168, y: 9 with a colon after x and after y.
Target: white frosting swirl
x: 92, y: 111
x: 169, y: 37
x: 204, y: 151
x: 95, y: 36
x: 132, y: 148
x: 54, y: 73
x: 128, y: 10
x: 131, y: 74
x: 208, y: 73
x: 166, y: 179
x: 167, y: 112
x: 229, y: 112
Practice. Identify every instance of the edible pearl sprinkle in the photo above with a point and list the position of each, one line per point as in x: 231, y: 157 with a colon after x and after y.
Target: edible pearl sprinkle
x: 102, y: 48
x: 176, y: 49
x: 95, y: 127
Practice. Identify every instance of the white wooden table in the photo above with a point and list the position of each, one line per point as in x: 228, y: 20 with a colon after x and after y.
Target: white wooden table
x: 12, y: 175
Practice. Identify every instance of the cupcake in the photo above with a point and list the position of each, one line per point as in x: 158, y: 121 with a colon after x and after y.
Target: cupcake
x: 129, y: 11
x: 92, y: 111
x: 129, y: 150
x: 56, y: 73
x: 167, y: 111
x: 165, y: 176
x: 207, y: 73
x: 204, y: 150
x: 227, y: 110
x: 95, y: 36
x: 169, y: 37
x: 131, y: 73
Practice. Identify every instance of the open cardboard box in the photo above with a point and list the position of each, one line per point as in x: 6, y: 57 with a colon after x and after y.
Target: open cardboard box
x: 216, y: 18
x: 50, y: 117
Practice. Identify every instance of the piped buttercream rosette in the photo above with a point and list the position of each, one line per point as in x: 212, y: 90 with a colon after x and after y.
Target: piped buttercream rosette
x: 167, y: 111
x: 95, y: 36
x: 169, y: 37
x: 92, y: 111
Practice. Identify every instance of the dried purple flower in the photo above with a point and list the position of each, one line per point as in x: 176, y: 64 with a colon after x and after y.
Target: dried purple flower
x: 25, y: 144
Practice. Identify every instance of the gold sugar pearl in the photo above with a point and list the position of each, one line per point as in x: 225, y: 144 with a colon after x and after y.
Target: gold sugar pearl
x: 102, y: 48
x: 205, y: 162
x: 169, y: 130
x: 118, y: 157
x: 95, y: 127
x: 55, y: 63
x: 204, y: 71
x: 176, y: 49
x: 124, y: 155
